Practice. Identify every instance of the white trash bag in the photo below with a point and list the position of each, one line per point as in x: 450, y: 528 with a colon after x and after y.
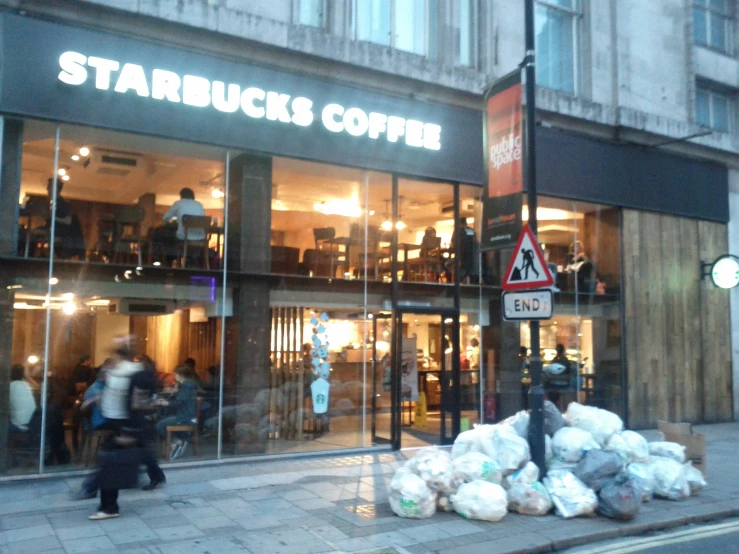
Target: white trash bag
x: 444, y: 504
x: 481, y: 500
x: 670, y: 478
x: 530, y: 499
x: 475, y: 466
x: 616, y: 443
x: 467, y: 441
x: 599, y: 423
x: 569, y: 444
x: 435, y: 467
x: 511, y: 451
x: 526, y: 475
x: 638, y: 446
x: 668, y: 449
x: 695, y: 478
x: 548, y: 455
x: 570, y: 496
x: 519, y: 422
x: 410, y: 496
x: 641, y: 475
x: 555, y: 463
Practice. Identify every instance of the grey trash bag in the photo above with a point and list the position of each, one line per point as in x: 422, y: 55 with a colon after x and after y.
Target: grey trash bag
x: 553, y: 420
x: 597, y: 467
x: 619, y: 498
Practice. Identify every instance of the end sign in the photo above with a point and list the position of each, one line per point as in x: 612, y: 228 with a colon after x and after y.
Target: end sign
x: 527, y: 305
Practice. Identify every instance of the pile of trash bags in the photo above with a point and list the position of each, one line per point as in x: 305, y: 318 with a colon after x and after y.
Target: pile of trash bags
x: 594, y: 466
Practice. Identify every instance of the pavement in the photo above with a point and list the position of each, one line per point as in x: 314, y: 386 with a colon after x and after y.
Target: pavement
x: 321, y: 505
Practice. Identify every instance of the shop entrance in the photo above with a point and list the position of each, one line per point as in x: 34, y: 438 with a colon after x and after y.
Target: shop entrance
x: 415, y: 378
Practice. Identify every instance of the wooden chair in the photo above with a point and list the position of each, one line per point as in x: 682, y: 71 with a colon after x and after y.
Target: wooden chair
x: 192, y: 223
x: 191, y: 428
x: 128, y: 217
x: 326, y: 250
x: 91, y: 441
x: 429, y: 259
x: 36, y: 207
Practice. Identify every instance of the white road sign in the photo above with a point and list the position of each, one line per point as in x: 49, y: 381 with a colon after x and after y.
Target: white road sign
x: 527, y: 305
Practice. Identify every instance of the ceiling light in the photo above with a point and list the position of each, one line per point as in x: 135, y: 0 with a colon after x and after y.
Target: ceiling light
x: 53, y: 281
x: 400, y: 225
x: 84, y: 151
x: 62, y: 171
x: 372, y: 212
x: 76, y: 158
x: 217, y: 193
x: 387, y: 225
x: 157, y: 264
x: 69, y: 308
x: 65, y: 177
x: 32, y: 359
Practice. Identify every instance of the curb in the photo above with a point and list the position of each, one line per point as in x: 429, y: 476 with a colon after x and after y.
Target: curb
x: 631, y: 529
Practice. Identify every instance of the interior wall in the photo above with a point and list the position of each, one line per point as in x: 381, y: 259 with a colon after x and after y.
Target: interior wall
x: 107, y: 327
x: 678, y: 349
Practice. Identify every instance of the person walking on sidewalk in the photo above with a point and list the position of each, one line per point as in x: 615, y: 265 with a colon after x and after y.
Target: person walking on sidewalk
x: 185, y: 402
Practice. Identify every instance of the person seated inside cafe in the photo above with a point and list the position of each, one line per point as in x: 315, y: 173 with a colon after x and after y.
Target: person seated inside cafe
x: 186, y: 205
x: 22, y: 401
x: 67, y: 227
x: 185, y: 404
x: 576, y: 257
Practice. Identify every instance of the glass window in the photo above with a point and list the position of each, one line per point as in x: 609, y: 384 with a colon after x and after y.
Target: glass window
x: 714, y: 109
x: 713, y: 22
x: 401, y: 24
x: 581, y: 244
x: 557, y: 39
x: 312, y: 12
x: 372, y: 21
x: 467, y: 11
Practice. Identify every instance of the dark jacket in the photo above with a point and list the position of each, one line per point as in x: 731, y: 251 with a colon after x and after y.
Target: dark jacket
x: 186, y: 401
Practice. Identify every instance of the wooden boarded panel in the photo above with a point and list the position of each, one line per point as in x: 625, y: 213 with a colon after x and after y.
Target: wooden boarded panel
x: 715, y: 328
x: 677, y: 340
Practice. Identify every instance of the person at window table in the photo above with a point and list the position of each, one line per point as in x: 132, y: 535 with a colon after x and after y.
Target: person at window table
x: 576, y: 257
x: 67, y: 228
x: 185, y: 402
x: 186, y: 205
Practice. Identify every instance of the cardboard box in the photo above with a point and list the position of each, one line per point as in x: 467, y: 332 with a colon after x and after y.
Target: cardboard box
x: 694, y: 443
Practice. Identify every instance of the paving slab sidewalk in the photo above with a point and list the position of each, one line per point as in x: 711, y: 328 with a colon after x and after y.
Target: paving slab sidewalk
x: 320, y: 505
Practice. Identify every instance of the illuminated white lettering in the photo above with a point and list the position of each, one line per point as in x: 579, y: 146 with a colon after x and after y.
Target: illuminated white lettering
x: 432, y: 136
x: 223, y: 104
x: 302, y: 114
x: 395, y: 128
x: 103, y: 68
x: 247, y: 102
x: 277, y: 107
x: 328, y: 116
x: 132, y: 77
x: 165, y: 84
x: 377, y: 124
x: 414, y: 133
x: 73, y: 68
x: 355, y: 122
x: 195, y: 91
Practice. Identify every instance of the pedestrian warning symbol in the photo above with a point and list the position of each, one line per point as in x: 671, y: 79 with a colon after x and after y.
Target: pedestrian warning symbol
x: 527, y: 268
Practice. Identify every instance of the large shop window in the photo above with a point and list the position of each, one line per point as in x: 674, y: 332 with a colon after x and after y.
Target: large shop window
x: 129, y: 252
x: 581, y: 344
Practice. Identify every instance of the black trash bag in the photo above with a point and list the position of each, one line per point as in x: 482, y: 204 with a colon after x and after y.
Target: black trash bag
x: 597, y: 467
x: 553, y: 420
x: 619, y: 499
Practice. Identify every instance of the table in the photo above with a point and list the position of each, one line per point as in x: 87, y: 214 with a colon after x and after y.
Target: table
x: 407, y: 247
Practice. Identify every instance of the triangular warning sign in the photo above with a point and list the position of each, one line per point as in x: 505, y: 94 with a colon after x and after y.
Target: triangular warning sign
x: 527, y: 268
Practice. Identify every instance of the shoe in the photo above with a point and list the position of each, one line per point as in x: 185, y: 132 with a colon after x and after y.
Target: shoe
x: 179, y: 452
x: 102, y: 515
x: 153, y: 484
x: 83, y: 495
x: 175, y: 449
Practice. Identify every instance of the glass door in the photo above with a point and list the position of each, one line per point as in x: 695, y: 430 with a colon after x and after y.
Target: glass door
x: 424, y: 378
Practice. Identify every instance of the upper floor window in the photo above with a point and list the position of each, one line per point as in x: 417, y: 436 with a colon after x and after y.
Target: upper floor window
x: 400, y: 24
x: 712, y: 24
x: 312, y: 12
x: 557, y: 41
x: 714, y: 109
x: 467, y: 13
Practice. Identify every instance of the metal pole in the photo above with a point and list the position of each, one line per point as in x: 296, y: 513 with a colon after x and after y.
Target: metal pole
x: 536, y: 391
x: 224, y: 299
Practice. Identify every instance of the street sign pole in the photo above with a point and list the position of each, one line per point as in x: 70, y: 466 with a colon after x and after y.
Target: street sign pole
x: 536, y: 391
